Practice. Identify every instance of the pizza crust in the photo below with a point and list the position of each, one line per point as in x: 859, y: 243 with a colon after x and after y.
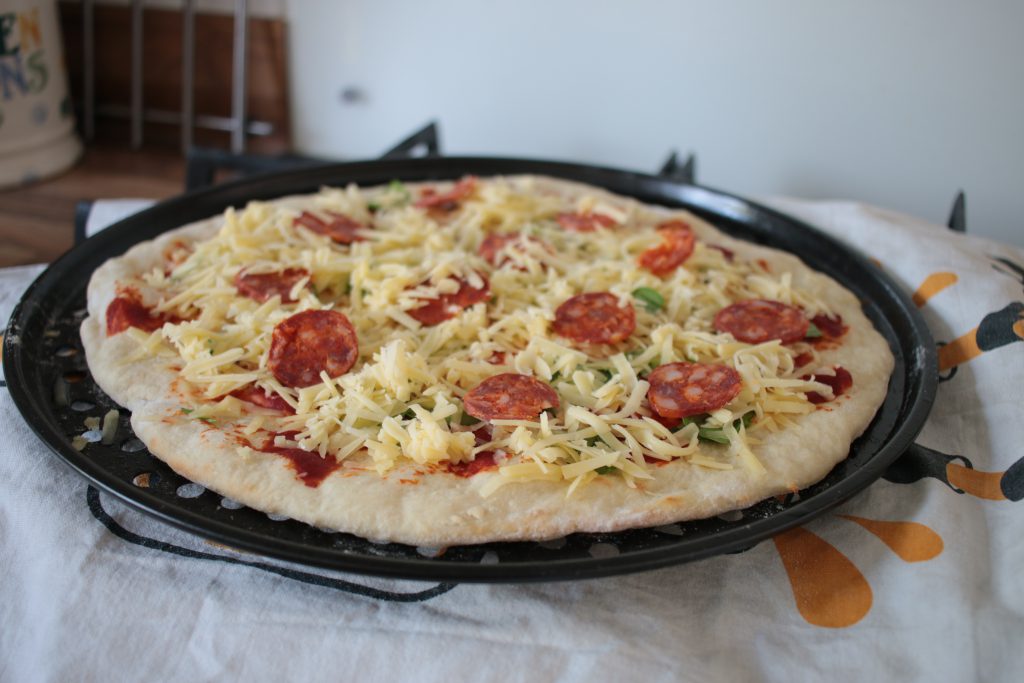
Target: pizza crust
x: 439, y: 508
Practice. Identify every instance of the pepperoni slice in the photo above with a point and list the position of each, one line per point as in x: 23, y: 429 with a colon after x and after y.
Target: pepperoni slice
x: 684, y: 389
x: 840, y: 383
x: 584, y: 222
x: 447, y: 306
x: 264, y: 286
x: 758, y: 320
x: 509, y: 397
x: 339, y: 227
x: 677, y: 243
x: 594, y: 318
x: 250, y: 393
x: 126, y: 310
x: 310, y: 342
x: 490, y: 249
x: 446, y: 202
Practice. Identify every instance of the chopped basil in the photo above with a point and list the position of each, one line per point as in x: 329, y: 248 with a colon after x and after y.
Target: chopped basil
x: 607, y: 469
x: 607, y: 374
x: 593, y: 441
x: 207, y: 420
x: 372, y: 207
x: 187, y: 411
x: 467, y: 420
x: 651, y: 299
x: 409, y: 414
x: 813, y: 332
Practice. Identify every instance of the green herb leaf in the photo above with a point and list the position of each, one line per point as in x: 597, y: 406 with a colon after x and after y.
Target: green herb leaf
x: 653, y: 300
x: 187, y: 411
x: 409, y: 414
x: 714, y: 434
x: 207, y: 420
x: 556, y: 375
x: 717, y: 434
x: 372, y: 207
x: 607, y: 469
x: 593, y: 441
x: 399, y: 188
x: 607, y: 374
x: 691, y: 420
x: 813, y: 332
x: 467, y: 420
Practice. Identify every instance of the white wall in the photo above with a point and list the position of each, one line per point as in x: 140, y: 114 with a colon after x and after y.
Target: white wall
x: 898, y: 104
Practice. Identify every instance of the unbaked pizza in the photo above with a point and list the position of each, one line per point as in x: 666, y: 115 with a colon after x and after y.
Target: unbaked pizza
x: 487, y: 359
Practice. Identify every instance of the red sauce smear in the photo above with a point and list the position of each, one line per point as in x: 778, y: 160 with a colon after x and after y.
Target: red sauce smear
x: 127, y: 310
x: 840, y: 383
x: 584, y: 222
x: 803, y: 359
x: 498, y: 358
x: 831, y: 326
x: 729, y: 254
x: 309, y: 467
x: 250, y: 393
x: 175, y: 254
x: 484, y: 461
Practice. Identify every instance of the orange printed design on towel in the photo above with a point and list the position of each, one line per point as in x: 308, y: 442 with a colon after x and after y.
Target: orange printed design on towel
x: 829, y: 590
x: 913, y: 542
x: 986, y: 485
x: 997, y: 329
x: 932, y: 285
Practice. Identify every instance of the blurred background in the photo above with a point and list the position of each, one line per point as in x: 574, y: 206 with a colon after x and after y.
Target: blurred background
x: 901, y: 105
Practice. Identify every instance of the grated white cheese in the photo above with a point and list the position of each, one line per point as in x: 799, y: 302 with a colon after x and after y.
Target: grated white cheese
x: 402, y: 400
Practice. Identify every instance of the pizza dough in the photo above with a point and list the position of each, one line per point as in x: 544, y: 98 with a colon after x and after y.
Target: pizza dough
x: 522, y: 291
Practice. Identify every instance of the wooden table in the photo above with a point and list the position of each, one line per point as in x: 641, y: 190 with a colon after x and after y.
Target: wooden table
x: 36, y: 221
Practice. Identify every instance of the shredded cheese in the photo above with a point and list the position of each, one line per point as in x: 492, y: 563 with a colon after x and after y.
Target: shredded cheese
x: 402, y: 400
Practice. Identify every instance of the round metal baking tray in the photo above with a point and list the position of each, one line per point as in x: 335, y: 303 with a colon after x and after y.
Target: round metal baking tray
x: 43, y: 358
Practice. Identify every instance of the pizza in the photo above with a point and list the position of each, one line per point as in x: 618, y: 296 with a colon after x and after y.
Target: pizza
x: 487, y: 359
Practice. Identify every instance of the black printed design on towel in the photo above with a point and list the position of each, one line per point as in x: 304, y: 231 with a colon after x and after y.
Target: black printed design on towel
x: 96, y: 508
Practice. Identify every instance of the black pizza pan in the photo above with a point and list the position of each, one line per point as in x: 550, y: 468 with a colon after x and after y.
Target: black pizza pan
x: 50, y: 384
